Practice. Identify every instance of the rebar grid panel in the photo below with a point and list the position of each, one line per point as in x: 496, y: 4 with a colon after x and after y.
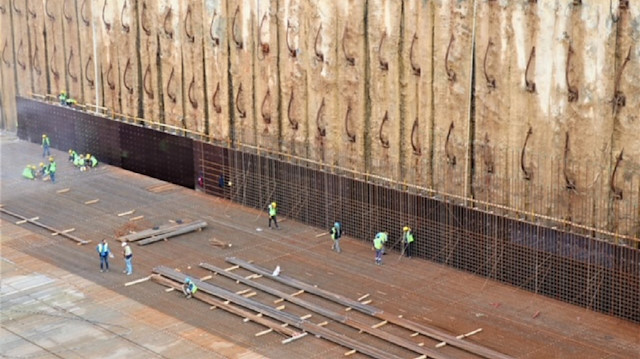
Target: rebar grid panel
x: 521, y: 250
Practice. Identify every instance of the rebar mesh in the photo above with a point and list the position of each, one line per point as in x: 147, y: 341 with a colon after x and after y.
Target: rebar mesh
x: 522, y: 248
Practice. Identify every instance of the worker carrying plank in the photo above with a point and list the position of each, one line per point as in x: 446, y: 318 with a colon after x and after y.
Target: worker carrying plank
x: 189, y: 288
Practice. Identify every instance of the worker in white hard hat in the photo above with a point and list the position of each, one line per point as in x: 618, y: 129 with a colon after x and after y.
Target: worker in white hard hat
x: 273, y: 211
x: 407, y: 241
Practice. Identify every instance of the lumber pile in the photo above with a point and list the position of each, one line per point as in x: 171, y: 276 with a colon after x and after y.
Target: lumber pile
x: 160, y: 233
x: 55, y: 232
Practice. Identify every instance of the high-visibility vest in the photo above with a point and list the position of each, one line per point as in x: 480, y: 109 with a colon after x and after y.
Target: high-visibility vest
x: 103, y: 249
x: 408, y: 237
x: 377, y: 243
x: 52, y: 167
x: 28, y: 173
x: 272, y: 211
x: 45, y: 141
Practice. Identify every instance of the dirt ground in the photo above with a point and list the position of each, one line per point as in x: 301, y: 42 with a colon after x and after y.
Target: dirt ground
x: 56, y: 302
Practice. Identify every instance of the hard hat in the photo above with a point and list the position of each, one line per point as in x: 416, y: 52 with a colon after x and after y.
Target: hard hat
x: 43, y: 135
x: 70, y: 151
x: 187, y: 280
x: 88, y: 156
x: 336, y: 224
x: 273, y: 204
x: 33, y: 167
x: 124, y: 244
x: 406, y: 228
x: 51, y: 158
x: 41, y: 164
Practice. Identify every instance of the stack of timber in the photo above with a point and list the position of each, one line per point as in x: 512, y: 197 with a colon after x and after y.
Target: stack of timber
x: 152, y: 235
x: 34, y: 221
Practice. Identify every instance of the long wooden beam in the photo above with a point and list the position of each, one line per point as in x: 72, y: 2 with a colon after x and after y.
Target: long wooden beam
x: 422, y: 329
x: 371, y: 330
x: 284, y: 317
x: 32, y: 221
x: 182, y: 230
x: 306, y: 287
x: 230, y: 308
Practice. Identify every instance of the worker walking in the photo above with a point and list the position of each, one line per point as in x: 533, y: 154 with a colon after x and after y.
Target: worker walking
x: 52, y: 169
x: 29, y: 172
x: 384, y: 236
x: 378, y: 244
x: 336, y: 233
x: 46, y: 143
x: 127, y: 253
x: 273, y: 211
x: 105, y: 253
x: 189, y: 288
x: 407, y: 241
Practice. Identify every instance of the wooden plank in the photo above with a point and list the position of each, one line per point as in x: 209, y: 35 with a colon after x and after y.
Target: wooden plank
x: 231, y: 309
x: 414, y: 327
x: 132, y: 237
x: 194, y: 226
x: 64, y: 190
x: 462, y: 336
x: 126, y: 213
x: 372, y: 330
x: 290, y: 319
x: 307, y: 287
x: 137, y: 218
x: 137, y: 281
x: 92, y: 201
x: 51, y: 229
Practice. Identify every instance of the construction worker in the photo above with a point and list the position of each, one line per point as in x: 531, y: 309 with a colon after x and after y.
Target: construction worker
x: 52, y: 169
x: 189, y: 288
x: 79, y: 161
x: 45, y: 146
x: 407, y: 241
x: 43, y: 171
x: 384, y: 236
x: 336, y: 233
x: 127, y: 253
x: 63, y: 97
x: 273, y: 211
x: 29, y: 172
x: 91, y: 161
x: 378, y: 245
x: 72, y: 155
x: 105, y: 253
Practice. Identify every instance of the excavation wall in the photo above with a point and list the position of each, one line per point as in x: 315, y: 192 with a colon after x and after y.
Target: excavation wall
x: 517, y: 106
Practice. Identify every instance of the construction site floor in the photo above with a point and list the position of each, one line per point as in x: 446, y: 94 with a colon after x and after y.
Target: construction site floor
x: 56, y: 303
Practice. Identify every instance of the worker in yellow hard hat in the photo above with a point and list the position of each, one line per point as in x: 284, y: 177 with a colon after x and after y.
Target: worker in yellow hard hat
x: 407, y: 241
x: 272, y: 214
x: 52, y: 169
x: 45, y: 146
x: 43, y: 171
x: 63, y: 97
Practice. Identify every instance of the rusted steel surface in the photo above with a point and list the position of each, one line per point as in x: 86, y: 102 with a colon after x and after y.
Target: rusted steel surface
x: 430, y: 332
x: 278, y: 315
x: 362, y: 327
x: 306, y: 287
x: 276, y: 326
x: 49, y: 228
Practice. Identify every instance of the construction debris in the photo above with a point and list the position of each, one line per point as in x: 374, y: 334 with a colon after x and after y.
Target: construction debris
x: 126, y: 213
x: 218, y: 243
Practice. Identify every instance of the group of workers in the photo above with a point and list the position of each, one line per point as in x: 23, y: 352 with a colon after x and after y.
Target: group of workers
x: 66, y: 99
x: 380, y: 240
x: 83, y: 162
x: 49, y: 170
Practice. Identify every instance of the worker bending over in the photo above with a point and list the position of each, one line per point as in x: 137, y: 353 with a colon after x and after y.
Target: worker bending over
x: 189, y: 288
x: 29, y: 172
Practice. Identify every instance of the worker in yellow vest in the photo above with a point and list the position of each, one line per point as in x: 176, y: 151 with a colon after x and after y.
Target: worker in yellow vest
x: 273, y: 211
x: 407, y: 240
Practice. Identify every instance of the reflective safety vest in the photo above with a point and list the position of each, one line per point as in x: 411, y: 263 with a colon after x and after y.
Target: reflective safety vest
x: 377, y: 242
x: 94, y: 162
x: 193, y: 288
x: 408, y: 236
x: 46, y: 142
x: 382, y: 236
x: 336, y: 231
x: 272, y: 210
x: 28, y: 173
x: 52, y: 167
x: 103, y: 249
